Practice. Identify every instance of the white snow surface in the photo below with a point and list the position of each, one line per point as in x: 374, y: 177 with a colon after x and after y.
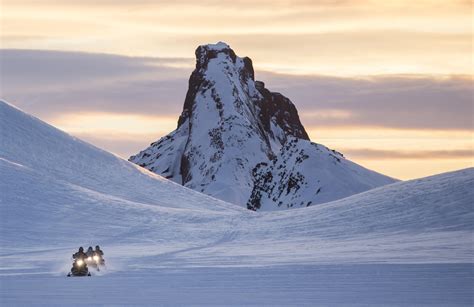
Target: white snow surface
x: 407, y: 243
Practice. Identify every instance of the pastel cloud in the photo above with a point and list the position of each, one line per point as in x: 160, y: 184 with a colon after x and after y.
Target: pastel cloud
x: 369, y: 153
x: 49, y: 83
x: 124, y: 103
x: 344, y: 38
x: 404, y: 102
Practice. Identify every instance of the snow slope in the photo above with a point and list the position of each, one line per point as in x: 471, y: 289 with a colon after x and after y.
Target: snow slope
x: 52, y: 182
x: 231, y: 126
x: 58, y: 192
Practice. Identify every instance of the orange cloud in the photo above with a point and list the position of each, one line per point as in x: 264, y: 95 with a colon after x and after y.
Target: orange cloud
x: 376, y: 154
x: 344, y: 38
x: 388, y: 139
x: 114, y: 126
x: 406, y: 169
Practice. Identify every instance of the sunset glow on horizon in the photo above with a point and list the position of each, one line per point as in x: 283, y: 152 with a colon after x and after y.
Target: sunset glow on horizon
x: 387, y: 83
x: 343, y: 38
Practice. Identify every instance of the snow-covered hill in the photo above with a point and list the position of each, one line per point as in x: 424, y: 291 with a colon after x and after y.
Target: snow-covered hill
x: 234, y: 135
x: 52, y: 183
x: 58, y: 192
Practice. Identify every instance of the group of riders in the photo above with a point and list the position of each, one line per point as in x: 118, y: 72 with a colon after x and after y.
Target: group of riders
x: 81, y: 259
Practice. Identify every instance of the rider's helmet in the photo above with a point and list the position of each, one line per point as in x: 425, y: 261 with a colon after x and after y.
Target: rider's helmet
x: 97, y: 247
x: 89, y: 249
x: 81, y: 249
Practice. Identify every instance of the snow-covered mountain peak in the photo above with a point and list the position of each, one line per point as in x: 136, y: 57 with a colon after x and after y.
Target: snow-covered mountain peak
x: 231, y: 123
x: 205, y: 53
x: 217, y: 46
x: 222, y: 73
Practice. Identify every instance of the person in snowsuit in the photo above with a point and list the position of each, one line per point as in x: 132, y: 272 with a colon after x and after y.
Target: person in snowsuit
x: 90, y: 252
x: 80, y: 254
x: 100, y: 253
x: 79, y: 267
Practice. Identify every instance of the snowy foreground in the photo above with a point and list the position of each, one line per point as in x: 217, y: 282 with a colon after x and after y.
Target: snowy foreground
x: 316, y: 285
x: 408, y: 243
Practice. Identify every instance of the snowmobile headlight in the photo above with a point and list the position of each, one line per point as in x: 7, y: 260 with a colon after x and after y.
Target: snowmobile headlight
x: 80, y: 262
x: 96, y: 258
x: 89, y: 258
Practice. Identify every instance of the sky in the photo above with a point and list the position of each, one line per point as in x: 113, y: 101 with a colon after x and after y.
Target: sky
x: 387, y: 83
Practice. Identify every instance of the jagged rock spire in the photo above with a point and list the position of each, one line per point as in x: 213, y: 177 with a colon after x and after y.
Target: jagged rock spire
x: 232, y: 123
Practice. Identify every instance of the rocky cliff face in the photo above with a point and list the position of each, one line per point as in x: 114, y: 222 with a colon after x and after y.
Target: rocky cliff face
x: 233, y: 133
x: 304, y: 174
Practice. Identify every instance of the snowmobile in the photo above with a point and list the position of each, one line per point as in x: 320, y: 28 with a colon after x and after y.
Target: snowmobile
x: 95, y: 261
x: 79, y: 268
